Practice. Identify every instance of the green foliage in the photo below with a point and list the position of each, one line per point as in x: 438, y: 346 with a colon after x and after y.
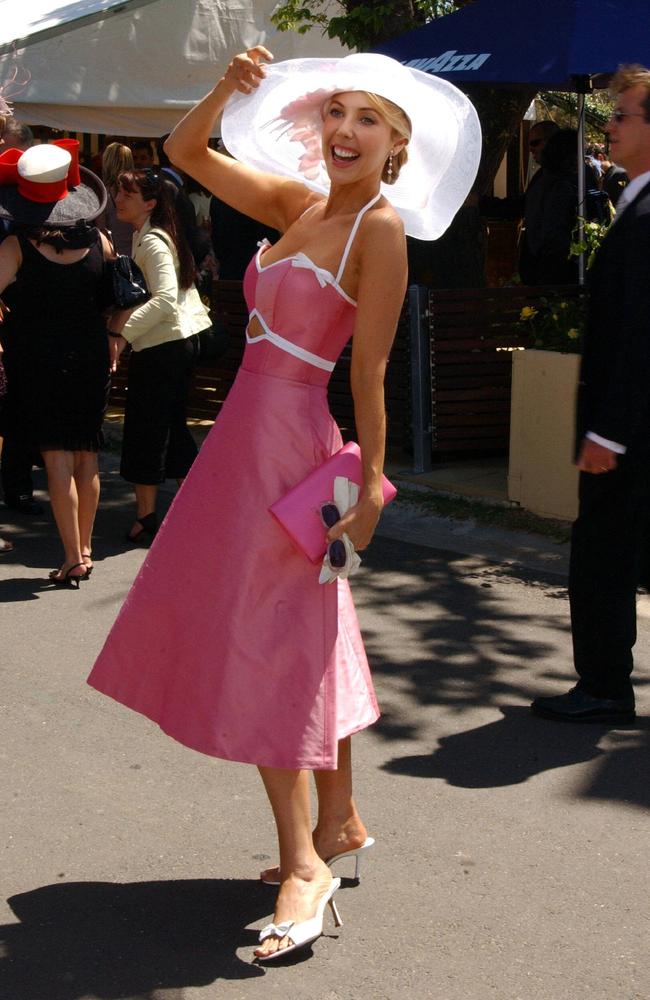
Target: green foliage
x: 593, y: 235
x: 598, y: 110
x: 554, y: 323
x: 359, y: 25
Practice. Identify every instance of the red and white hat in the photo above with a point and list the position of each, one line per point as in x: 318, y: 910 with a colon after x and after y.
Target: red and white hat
x: 45, y: 186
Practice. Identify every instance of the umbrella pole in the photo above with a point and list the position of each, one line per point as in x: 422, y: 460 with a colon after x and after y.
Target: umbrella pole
x: 581, y: 185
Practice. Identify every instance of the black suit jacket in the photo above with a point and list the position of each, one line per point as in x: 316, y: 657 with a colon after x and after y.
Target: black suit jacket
x: 614, y: 390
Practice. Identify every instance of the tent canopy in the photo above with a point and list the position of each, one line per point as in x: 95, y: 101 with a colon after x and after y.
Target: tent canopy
x: 136, y: 72
x: 24, y: 24
x: 548, y: 43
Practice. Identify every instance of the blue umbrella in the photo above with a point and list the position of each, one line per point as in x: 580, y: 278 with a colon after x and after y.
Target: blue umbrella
x: 551, y: 44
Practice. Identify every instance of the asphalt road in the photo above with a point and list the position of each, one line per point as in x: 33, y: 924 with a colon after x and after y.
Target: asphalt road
x: 511, y: 859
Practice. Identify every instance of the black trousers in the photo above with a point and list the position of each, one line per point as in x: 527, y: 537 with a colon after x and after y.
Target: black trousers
x: 609, y: 548
x: 157, y: 444
x: 16, y: 470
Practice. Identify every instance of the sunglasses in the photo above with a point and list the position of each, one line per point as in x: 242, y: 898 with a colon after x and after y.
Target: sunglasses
x: 336, y: 551
x: 620, y: 116
x: 534, y: 143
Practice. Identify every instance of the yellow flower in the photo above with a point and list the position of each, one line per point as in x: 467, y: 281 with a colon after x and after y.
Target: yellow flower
x: 573, y: 334
x: 555, y: 317
x: 528, y: 312
x: 564, y: 305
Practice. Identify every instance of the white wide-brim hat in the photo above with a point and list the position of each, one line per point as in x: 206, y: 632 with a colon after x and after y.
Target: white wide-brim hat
x: 278, y: 128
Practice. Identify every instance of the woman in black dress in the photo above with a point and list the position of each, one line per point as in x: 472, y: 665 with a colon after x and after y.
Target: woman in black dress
x: 56, y: 258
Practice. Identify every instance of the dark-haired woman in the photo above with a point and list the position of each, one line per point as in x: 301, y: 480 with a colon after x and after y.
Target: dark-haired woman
x: 162, y: 333
x: 54, y: 262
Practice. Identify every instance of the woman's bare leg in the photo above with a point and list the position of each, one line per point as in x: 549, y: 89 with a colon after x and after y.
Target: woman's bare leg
x: 86, y: 477
x: 339, y: 827
x: 145, y: 498
x: 62, y: 488
x: 305, y: 876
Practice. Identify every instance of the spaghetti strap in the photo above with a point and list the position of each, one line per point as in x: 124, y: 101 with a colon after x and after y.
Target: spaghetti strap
x: 353, y: 233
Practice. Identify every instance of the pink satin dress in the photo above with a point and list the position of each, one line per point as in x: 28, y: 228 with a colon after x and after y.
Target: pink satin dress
x: 227, y: 640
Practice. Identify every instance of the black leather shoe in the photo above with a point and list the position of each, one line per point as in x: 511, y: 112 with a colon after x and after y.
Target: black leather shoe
x: 24, y: 505
x: 578, y: 706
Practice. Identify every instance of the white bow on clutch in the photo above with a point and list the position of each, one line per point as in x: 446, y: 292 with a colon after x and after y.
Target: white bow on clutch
x: 346, y: 495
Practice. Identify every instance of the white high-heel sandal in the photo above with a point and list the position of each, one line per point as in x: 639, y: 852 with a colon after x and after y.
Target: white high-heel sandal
x: 354, y: 853
x: 304, y: 933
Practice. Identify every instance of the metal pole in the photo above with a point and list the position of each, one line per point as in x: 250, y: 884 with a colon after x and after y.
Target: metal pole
x: 581, y: 184
x: 421, y: 388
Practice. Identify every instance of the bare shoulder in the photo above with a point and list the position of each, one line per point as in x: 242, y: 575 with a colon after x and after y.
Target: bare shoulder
x: 10, y: 246
x: 382, y: 228
x: 10, y: 250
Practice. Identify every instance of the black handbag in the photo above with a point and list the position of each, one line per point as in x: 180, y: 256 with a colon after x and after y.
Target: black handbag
x: 127, y: 286
x: 213, y: 343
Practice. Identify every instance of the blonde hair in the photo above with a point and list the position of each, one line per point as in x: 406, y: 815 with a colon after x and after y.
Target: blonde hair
x: 633, y: 75
x: 401, y: 125
x: 116, y: 159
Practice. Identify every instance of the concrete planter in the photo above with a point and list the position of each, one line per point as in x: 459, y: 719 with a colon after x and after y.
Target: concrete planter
x: 541, y: 474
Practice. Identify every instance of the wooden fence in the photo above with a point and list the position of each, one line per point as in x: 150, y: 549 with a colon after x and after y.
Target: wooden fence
x: 470, y: 378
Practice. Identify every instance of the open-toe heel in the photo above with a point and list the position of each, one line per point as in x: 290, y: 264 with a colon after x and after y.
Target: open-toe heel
x: 300, y: 935
x: 69, y: 579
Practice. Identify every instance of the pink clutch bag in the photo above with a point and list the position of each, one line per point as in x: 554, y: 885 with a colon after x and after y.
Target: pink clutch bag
x: 298, y: 511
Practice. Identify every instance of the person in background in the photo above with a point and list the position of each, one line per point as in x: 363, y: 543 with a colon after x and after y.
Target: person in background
x: 614, y: 180
x: 163, y: 333
x: 15, y: 135
x: 142, y: 150
x: 551, y: 209
x: 610, y: 536
x: 16, y: 461
x: 55, y: 260
x: 116, y: 160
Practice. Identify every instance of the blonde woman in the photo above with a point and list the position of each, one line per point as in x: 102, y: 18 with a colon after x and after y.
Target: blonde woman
x: 260, y: 663
x: 116, y: 160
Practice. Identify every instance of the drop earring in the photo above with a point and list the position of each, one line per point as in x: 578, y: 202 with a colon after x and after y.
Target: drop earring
x: 389, y: 175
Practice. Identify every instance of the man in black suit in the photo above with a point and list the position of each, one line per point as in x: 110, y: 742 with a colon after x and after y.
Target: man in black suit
x: 611, y: 533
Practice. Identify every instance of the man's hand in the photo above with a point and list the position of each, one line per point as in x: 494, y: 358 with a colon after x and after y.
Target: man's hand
x: 595, y: 458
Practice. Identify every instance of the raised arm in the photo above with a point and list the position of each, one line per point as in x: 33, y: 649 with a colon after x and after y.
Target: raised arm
x: 382, y: 284
x: 272, y: 200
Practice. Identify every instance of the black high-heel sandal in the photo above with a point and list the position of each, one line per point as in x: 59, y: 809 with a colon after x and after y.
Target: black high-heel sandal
x: 148, y: 529
x: 67, y: 580
x: 89, y: 569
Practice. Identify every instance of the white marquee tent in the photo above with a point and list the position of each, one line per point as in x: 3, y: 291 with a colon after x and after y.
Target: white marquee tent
x: 129, y: 67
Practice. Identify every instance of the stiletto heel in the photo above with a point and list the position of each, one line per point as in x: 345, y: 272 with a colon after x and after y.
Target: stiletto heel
x: 304, y: 933
x: 335, y: 912
x: 67, y: 580
x: 355, y: 853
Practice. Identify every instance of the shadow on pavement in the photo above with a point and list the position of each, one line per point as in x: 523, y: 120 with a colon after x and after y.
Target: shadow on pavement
x: 519, y: 745
x: 463, y: 644
x: 136, y: 941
